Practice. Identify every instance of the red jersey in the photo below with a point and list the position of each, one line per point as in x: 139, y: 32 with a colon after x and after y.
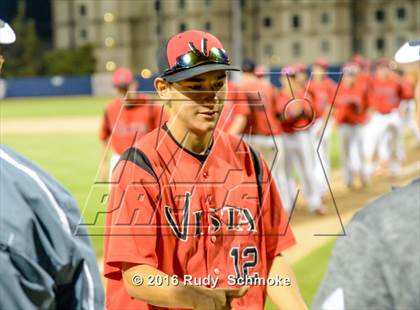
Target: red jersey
x: 323, y: 95
x: 385, y: 95
x: 293, y: 124
x: 408, y: 87
x: 351, y: 105
x: 191, y: 214
x: 363, y: 80
x: 236, y: 104
x: 261, y: 96
x: 124, y: 124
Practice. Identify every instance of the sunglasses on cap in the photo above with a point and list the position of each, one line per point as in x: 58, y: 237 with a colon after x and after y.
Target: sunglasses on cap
x: 196, y: 57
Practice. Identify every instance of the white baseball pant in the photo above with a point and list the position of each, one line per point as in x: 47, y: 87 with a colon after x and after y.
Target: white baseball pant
x: 352, y: 150
x: 298, y: 154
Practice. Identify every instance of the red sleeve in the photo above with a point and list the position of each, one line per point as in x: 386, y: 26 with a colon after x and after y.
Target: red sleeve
x: 105, y: 129
x: 407, y: 89
x: 131, y: 226
x: 278, y: 233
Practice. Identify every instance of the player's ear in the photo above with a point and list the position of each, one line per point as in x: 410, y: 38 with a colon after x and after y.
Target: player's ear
x: 163, y: 88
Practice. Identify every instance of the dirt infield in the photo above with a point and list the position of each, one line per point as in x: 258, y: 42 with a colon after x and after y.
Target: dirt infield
x: 49, y: 125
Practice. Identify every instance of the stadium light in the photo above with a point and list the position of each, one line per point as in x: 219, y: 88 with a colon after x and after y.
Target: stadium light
x: 110, y: 65
x: 146, y: 73
x: 109, y: 42
x: 108, y: 17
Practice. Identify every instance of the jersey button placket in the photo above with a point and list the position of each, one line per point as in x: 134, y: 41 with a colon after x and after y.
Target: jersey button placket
x: 216, y: 271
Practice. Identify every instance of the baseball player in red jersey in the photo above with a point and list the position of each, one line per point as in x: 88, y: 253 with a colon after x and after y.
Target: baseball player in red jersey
x: 234, y: 116
x: 195, y: 206
x: 126, y: 119
x: 350, y: 115
x: 261, y: 98
x: 322, y: 88
x: 384, y: 99
x: 295, y: 111
x: 363, y: 75
x: 262, y: 130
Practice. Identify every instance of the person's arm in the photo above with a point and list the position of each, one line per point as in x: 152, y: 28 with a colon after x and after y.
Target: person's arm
x: 284, y: 297
x: 175, y: 296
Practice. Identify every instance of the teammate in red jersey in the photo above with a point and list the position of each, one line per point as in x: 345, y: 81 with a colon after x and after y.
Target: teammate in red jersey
x: 126, y: 119
x: 322, y: 88
x: 364, y: 71
x: 351, y: 115
x: 295, y: 110
x: 384, y: 99
x: 194, y: 205
x: 261, y: 98
x: 262, y: 130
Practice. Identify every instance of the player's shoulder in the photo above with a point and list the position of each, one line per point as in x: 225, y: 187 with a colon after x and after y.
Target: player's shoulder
x: 114, y: 105
x: 139, y: 160
x: 149, y: 141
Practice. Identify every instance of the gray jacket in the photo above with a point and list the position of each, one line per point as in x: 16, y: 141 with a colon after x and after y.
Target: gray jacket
x: 43, y: 265
x: 377, y: 264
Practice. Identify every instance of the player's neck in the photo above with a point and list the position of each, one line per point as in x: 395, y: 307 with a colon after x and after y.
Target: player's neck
x: 190, y: 140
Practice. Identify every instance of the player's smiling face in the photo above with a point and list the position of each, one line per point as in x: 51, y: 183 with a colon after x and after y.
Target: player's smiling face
x: 196, y: 103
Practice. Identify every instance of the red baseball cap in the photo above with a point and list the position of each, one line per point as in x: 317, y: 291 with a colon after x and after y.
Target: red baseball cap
x: 122, y: 77
x: 192, y: 53
x: 322, y: 62
x: 300, y: 67
x: 350, y: 68
x: 358, y: 59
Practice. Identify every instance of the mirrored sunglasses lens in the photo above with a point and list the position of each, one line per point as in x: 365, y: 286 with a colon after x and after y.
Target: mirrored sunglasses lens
x: 219, y: 55
x: 187, y: 60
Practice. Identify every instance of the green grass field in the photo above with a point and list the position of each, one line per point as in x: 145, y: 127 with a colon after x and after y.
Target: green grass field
x: 51, y: 107
x: 310, y: 271
x: 73, y: 159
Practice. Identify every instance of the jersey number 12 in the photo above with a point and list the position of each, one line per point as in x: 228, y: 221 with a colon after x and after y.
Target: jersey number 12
x: 249, y: 259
